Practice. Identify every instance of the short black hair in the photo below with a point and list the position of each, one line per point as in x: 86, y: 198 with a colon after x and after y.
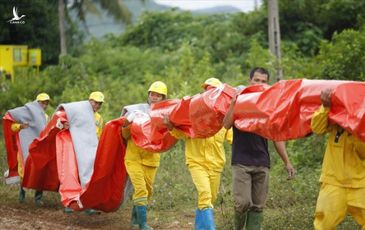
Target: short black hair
x: 259, y: 70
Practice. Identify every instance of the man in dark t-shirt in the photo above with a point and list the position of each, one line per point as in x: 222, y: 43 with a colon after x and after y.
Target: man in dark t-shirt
x: 250, y: 165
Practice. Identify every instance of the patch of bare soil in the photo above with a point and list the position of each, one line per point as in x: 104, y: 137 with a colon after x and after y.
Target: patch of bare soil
x: 28, y: 216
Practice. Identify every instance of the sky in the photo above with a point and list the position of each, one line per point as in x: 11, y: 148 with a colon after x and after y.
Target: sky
x: 244, y: 5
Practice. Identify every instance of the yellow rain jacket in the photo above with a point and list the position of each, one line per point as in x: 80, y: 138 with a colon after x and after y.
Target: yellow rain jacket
x: 98, y: 123
x: 344, y: 159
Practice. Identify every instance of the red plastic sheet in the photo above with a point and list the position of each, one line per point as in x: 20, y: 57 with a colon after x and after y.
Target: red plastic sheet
x: 11, y: 145
x: 41, y: 167
x: 51, y: 165
x: 198, y: 116
x: 106, y: 187
x: 151, y: 137
x: 284, y: 111
x: 207, y: 110
x: 348, y: 108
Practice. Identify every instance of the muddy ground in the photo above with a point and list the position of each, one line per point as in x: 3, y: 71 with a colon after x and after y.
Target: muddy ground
x: 30, y: 216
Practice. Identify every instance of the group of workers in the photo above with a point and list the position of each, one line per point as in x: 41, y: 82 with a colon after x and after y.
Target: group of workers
x: 342, y: 179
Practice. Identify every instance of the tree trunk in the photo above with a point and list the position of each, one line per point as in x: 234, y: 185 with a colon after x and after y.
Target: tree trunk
x: 61, y: 19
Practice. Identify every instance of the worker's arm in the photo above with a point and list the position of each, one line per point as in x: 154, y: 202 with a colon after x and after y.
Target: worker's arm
x: 16, y: 127
x: 126, y: 129
x: 228, y: 118
x: 281, y: 150
x: 319, y: 122
x: 178, y: 134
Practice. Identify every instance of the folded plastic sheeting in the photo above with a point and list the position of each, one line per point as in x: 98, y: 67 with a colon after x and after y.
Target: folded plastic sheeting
x: 52, y: 165
x: 198, y: 116
x: 105, y: 191
x: 153, y: 138
x: 12, y: 145
x: 41, y: 166
x: 284, y: 110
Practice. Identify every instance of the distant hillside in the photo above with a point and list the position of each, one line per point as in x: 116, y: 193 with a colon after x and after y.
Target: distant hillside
x: 103, y: 24
x: 217, y: 10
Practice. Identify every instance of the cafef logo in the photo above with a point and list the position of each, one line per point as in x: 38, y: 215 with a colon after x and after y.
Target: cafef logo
x: 16, y: 19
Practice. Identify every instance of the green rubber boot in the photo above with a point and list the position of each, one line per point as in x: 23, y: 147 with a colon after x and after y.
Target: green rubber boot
x: 240, y: 220
x: 254, y: 220
x: 21, y: 195
x: 134, y: 221
x: 38, y: 198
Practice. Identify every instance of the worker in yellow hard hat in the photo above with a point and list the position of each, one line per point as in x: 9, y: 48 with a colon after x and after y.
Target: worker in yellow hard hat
x: 342, y: 179
x: 23, y: 116
x: 205, y: 158
x: 141, y: 165
x: 96, y: 100
x: 211, y: 82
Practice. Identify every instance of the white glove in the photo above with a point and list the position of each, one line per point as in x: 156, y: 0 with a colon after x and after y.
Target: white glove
x: 59, y: 124
x: 131, y: 116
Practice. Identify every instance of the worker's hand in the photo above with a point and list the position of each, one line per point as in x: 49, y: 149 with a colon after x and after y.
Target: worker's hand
x: 167, y: 122
x: 66, y: 125
x: 126, y: 123
x: 291, y: 171
x: 326, y: 97
x: 24, y: 126
x: 131, y: 116
x: 235, y: 95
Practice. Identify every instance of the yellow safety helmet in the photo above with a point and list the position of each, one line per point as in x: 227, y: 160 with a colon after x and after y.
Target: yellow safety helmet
x: 43, y: 97
x: 212, y: 82
x: 158, y: 87
x: 97, y: 96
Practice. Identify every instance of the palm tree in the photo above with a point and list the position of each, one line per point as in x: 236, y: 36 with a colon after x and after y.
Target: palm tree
x: 116, y: 8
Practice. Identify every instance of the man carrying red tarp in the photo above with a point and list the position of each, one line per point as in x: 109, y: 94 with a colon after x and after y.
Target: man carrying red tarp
x: 141, y: 165
x: 343, y: 171
x: 21, y: 126
x: 250, y: 164
x: 205, y: 158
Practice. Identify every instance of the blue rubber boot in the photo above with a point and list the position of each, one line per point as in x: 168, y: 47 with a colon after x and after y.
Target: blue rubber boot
x: 142, y: 218
x: 208, y: 219
x: 199, y: 222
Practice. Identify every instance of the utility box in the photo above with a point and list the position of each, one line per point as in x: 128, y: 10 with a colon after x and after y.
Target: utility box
x: 17, y: 55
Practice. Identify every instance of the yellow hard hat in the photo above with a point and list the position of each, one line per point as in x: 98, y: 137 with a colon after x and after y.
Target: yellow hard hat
x: 97, y: 96
x: 212, y: 82
x: 158, y: 87
x: 43, y: 97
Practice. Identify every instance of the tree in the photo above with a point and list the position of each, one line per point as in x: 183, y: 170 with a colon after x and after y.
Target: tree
x: 39, y: 30
x: 116, y: 8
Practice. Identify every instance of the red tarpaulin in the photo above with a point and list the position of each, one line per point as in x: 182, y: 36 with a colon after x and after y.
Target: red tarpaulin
x: 51, y: 165
x: 41, y: 167
x: 12, y: 146
x: 284, y: 111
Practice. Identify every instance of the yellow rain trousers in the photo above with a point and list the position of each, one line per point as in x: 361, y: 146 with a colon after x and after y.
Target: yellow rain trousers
x: 343, y: 175
x: 205, y: 159
x: 141, y: 167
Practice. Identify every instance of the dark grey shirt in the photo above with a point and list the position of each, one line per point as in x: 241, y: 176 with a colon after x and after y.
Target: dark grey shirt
x: 249, y: 149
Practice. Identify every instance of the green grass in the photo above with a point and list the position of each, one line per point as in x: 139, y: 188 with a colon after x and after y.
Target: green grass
x: 290, y: 204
